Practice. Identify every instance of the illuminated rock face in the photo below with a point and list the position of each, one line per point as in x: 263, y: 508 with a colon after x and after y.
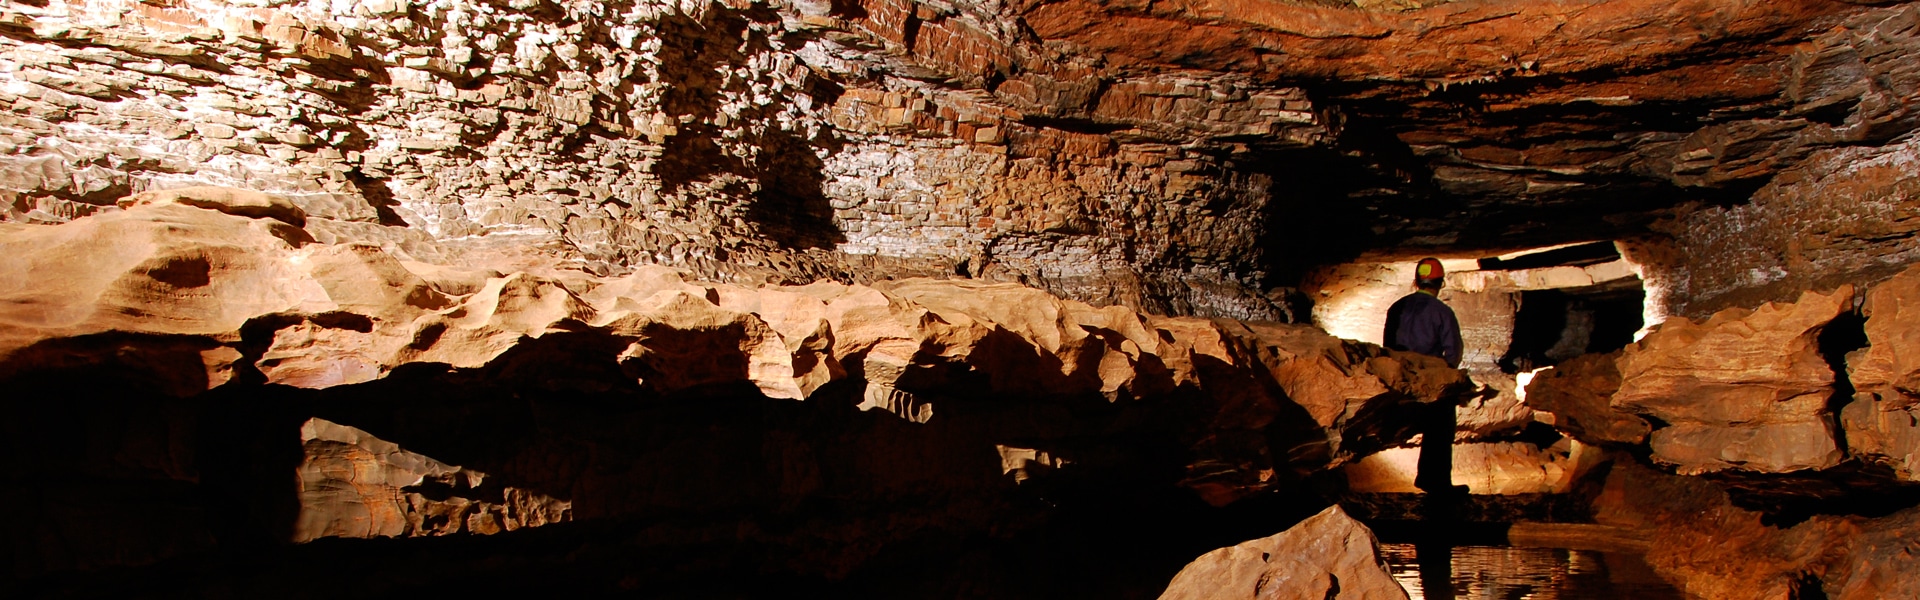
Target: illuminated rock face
x: 1745, y: 389
x: 1498, y: 468
x: 445, y: 222
x: 354, y: 485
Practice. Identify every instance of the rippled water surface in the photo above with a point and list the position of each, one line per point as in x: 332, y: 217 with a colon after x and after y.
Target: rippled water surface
x: 1515, y: 573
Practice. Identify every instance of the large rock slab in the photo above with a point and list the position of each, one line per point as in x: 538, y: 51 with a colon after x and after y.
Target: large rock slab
x: 1746, y: 389
x: 1579, y: 394
x: 1327, y: 556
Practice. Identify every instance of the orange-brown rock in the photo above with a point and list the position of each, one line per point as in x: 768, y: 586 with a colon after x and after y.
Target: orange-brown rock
x: 1500, y: 468
x: 1579, y: 393
x: 1329, y: 555
x: 355, y: 485
x: 206, y: 294
x: 1879, y: 423
x: 1711, y: 548
x: 1889, y: 367
x: 1746, y: 389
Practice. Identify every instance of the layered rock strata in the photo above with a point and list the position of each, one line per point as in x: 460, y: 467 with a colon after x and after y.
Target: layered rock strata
x: 1714, y: 549
x: 1745, y: 389
x: 1182, y: 159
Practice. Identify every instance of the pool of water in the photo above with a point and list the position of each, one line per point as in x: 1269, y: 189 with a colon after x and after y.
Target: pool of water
x: 1521, y: 573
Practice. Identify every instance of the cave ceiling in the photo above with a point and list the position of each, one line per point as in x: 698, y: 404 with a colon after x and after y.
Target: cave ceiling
x: 1478, y: 126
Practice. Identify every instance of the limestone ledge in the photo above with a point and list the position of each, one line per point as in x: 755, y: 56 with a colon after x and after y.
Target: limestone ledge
x: 185, y: 292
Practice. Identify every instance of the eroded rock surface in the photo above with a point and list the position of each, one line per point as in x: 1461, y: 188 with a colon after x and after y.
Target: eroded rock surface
x: 1103, y: 151
x: 1714, y: 549
x: 1744, y: 389
x: 1880, y: 423
x: 407, y: 399
x: 1329, y: 555
x: 1579, y: 394
x: 355, y: 485
x: 1497, y: 468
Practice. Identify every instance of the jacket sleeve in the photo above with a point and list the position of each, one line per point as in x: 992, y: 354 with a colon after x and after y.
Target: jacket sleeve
x: 1448, y: 338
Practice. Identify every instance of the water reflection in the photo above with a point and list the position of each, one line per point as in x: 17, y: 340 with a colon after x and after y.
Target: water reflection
x: 1514, y: 573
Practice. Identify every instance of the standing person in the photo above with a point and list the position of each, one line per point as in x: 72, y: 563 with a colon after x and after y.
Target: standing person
x: 1421, y: 323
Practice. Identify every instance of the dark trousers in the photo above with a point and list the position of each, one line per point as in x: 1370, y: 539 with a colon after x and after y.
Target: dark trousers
x: 1435, y: 473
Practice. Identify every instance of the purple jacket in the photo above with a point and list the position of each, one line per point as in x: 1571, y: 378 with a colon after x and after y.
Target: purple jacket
x: 1422, y: 323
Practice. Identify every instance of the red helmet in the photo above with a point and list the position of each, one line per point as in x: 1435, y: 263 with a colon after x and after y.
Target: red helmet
x: 1429, y: 271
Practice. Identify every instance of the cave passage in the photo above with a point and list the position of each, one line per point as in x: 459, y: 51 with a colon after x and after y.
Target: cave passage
x: 1554, y: 325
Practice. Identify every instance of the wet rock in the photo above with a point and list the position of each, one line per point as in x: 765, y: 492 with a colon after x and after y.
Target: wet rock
x: 1714, y: 549
x: 1329, y: 555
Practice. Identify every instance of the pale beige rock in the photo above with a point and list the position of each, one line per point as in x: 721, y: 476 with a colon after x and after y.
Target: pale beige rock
x: 233, y: 201
x: 1484, y: 467
x: 1746, y: 389
x: 1327, y: 556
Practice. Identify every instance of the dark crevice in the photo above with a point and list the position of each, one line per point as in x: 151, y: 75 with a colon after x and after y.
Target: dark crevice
x: 1846, y: 333
x: 379, y: 195
x: 1581, y: 255
x: 1558, y: 324
x: 1808, y: 587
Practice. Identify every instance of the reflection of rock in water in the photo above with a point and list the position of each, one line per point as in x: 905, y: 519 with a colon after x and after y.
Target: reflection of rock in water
x: 1534, y: 573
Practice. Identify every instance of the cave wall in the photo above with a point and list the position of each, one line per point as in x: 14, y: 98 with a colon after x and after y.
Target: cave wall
x: 1834, y: 199
x: 196, y: 378
x: 1848, y: 216
x: 746, y: 140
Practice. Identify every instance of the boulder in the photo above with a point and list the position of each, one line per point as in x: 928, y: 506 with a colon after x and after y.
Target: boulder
x: 1327, y: 556
x: 1745, y: 389
x: 1579, y: 393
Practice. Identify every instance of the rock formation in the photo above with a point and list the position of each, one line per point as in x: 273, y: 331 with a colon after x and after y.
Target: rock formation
x: 1104, y: 151
x: 1579, y: 395
x: 210, y: 295
x: 1879, y: 423
x: 1715, y: 549
x: 1486, y: 468
x: 1329, y: 555
x: 708, y: 282
x: 1746, y: 389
